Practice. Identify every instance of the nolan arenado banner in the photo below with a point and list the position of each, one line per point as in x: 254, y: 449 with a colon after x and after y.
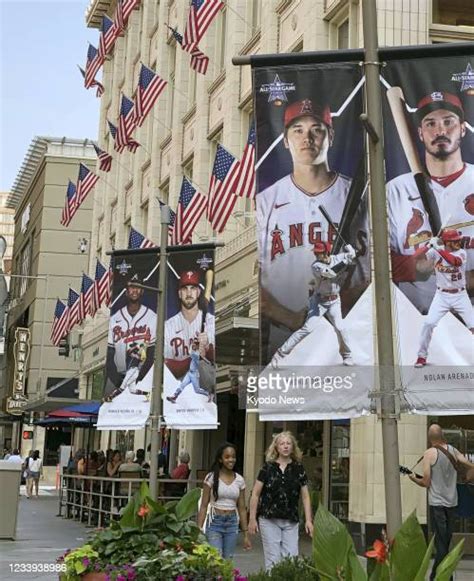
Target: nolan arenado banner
x: 131, y: 342
x: 317, y: 338
x: 429, y: 151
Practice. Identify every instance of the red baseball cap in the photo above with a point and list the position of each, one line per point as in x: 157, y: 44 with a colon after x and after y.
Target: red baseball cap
x: 307, y: 107
x: 189, y: 277
x: 439, y: 100
x: 451, y: 235
x: 320, y: 247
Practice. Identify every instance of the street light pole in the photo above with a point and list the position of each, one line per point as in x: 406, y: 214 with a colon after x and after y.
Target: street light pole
x: 383, y: 305
x: 156, y: 394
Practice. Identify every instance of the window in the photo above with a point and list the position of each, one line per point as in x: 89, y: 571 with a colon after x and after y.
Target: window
x: 216, y: 139
x: 343, y: 35
x: 100, y: 234
x: 255, y: 16
x: 453, y: 12
x: 170, y: 91
x: 95, y: 384
x: 25, y: 263
x: 188, y: 169
x: 145, y: 217
x: 192, y: 87
x: 221, y: 43
x: 113, y: 219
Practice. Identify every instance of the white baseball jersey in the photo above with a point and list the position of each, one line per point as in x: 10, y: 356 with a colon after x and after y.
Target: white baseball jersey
x: 289, y: 223
x: 179, y: 334
x: 329, y: 286
x: 409, y: 224
x: 125, y: 330
x: 448, y: 276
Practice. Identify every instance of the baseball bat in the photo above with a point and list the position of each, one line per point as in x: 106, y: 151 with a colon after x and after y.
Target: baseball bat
x: 325, y: 213
x: 352, y: 205
x: 209, y: 279
x: 396, y: 100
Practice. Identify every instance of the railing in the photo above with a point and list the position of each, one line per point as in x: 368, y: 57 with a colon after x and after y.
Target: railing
x: 97, y: 500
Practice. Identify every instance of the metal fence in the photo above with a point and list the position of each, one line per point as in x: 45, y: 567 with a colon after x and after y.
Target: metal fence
x: 97, y: 500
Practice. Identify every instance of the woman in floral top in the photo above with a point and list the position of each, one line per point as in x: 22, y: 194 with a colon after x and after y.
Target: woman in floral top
x: 275, y: 498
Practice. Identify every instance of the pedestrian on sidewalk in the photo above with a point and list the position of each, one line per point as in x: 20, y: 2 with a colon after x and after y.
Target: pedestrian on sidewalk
x: 275, y: 498
x: 224, y: 494
x: 34, y: 470
x: 441, y: 463
x: 15, y: 457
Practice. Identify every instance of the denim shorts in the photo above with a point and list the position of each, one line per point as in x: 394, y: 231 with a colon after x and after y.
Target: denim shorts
x: 222, y: 532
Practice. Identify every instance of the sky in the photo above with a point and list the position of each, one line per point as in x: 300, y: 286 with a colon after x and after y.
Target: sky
x: 42, y: 92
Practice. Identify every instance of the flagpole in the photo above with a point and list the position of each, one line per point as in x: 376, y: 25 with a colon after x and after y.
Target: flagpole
x: 156, y: 407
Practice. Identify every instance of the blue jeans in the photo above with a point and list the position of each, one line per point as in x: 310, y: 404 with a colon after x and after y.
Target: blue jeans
x: 222, y: 533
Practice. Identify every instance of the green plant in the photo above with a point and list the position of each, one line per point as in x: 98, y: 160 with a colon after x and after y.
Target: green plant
x: 407, y: 558
x: 79, y: 562
x: 301, y: 568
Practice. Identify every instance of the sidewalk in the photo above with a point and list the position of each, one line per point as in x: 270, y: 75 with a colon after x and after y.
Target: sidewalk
x: 42, y: 537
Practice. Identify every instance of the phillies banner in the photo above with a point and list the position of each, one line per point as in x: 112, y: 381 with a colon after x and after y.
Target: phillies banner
x: 190, y: 338
x: 429, y: 150
x: 315, y: 285
x: 131, y: 342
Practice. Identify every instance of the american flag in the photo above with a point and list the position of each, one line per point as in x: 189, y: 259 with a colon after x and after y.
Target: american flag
x: 150, y: 87
x: 245, y: 181
x: 87, y: 294
x: 126, y: 122
x: 102, y: 283
x: 70, y: 206
x: 100, y: 87
x: 128, y: 6
x: 60, y: 323
x: 201, y: 14
x: 76, y: 316
x: 191, y: 206
x: 86, y: 180
x: 199, y: 61
x: 221, y: 197
x: 105, y: 159
x: 137, y: 240
x: 119, y: 19
x: 108, y: 35
x: 93, y: 64
x: 132, y: 145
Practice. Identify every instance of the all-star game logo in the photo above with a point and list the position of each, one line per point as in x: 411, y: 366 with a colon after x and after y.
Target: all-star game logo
x: 277, y: 91
x: 466, y: 79
x: 123, y: 267
x: 204, y: 262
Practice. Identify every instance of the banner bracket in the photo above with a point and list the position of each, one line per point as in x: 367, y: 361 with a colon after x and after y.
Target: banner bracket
x: 382, y: 411
x: 367, y: 124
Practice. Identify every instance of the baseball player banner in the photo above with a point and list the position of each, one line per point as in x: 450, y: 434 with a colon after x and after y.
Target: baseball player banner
x: 131, y: 342
x: 429, y: 149
x: 189, y: 346
x: 313, y: 236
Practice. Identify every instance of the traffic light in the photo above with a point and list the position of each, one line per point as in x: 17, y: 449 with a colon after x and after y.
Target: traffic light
x: 64, y: 347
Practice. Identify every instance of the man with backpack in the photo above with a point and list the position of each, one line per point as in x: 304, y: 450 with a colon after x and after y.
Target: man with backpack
x: 442, y: 465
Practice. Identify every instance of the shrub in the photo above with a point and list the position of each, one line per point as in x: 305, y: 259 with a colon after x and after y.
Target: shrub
x: 300, y: 568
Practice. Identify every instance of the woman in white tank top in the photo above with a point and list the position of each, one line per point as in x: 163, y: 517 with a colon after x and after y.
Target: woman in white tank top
x: 224, y: 493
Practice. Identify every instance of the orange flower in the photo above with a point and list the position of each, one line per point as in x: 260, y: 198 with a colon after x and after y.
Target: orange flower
x: 143, y: 511
x: 379, y: 552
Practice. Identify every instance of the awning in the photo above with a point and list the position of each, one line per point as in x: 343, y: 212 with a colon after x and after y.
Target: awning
x: 86, y: 407
x: 237, y: 341
x: 82, y: 422
x: 45, y: 403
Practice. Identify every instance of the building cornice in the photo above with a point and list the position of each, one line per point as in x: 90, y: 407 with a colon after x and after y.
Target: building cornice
x: 95, y: 11
x: 39, y: 147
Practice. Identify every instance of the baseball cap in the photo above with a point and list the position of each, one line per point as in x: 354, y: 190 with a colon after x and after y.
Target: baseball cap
x: 189, y: 277
x: 135, y: 279
x: 307, y: 107
x: 320, y: 247
x: 439, y: 100
x: 451, y: 235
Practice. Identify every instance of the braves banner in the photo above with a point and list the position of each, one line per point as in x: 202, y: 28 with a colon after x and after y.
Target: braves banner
x: 189, y: 347
x: 315, y: 284
x: 131, y: 342
x: 429, y: 149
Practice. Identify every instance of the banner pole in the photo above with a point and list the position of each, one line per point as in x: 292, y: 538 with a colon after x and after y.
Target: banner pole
x: 156, y: 407
x: 383, y: 304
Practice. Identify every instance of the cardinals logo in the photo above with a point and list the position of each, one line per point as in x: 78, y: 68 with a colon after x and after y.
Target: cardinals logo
x: 413, y: 235
x: 469, y: 204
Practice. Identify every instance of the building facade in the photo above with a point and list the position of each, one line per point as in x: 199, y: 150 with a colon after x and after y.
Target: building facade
x: 179, y: 137
x: 47, y: 259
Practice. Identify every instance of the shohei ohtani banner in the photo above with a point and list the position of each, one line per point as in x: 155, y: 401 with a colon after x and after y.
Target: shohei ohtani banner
x: 316, y: 296
x: 429, y: 149
x: 131, y: 342
x: 189, y: 347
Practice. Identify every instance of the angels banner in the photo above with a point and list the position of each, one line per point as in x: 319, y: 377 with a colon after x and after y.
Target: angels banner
x: 429, y: 150
x: 190, y: 338
x: 313, y: 240
x: 131, y: 342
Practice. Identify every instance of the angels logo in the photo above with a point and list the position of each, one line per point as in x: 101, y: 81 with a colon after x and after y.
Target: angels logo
x: 469, y: 204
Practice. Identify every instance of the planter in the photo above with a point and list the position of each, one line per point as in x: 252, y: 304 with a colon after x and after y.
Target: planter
x: 94, y: 577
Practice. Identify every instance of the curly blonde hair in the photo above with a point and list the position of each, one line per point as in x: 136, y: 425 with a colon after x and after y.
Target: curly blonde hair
x: 272, y: 452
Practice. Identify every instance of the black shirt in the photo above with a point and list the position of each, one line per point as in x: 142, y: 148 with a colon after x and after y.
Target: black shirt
x: 281, y: 490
